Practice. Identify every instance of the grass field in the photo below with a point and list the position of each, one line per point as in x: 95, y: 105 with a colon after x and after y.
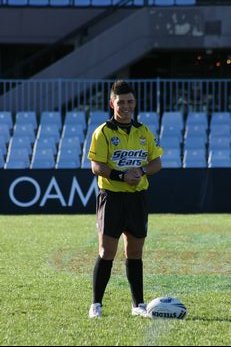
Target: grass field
x: 46, y: 269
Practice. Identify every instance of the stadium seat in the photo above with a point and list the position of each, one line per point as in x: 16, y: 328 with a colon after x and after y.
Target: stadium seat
x: 59, y: 2
x: 16, y: 157
x: 20, y: 142
x: 171, y: 130
x: 196, y: 130
x: 97, y: 117
x: 101, y: 2
x: 76, y: 118
x: 68, y: 157
x: 149, y: 118
x: 194, y: 158
x: 220, y: 130
x: 173, y: 119
x: 21, y: 130
x: 26, y: 118
x: 70, y: 130
x: 18, y: 164
x: 45, y: 143
x: 70, y: 142
x: 195, y: 142
x: 6, y: 118
x: 197, y: 118
x: 219, y: 158
x: 17, y: 2
x: 51, y: 130
x: 219, y: 142
x: 218, y: 118
x: 164, y: 2
x: 171, y: 158
x: 39, y: 2
x: 185, y: 2
x: 170, y: 142
x: 84, y: 3
x: 43, y: 159
x: 51, y: 118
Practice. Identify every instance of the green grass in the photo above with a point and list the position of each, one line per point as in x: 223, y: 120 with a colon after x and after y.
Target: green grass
x: 46, y: 270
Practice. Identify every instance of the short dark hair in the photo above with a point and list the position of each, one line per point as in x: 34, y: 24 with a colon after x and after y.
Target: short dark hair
x: 121, y: 87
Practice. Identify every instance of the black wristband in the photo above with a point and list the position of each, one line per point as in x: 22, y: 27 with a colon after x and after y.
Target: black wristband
x: 117, y: 175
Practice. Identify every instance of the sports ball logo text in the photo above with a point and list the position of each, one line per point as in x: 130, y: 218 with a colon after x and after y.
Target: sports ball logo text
x: 129, y: 158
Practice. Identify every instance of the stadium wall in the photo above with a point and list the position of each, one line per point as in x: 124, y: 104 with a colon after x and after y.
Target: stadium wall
x: 74, y: 191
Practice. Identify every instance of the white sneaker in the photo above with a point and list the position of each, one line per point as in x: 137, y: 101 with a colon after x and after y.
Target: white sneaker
x: 140, y: 310
x: 95, y: 311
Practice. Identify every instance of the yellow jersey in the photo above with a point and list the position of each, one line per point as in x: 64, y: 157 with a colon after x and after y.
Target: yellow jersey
x: 113, y: 146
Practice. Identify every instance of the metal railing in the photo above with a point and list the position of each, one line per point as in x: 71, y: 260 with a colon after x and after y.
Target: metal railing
x: 84, y: 94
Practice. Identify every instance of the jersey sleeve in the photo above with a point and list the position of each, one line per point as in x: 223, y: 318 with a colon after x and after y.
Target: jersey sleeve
x: 99, y: 148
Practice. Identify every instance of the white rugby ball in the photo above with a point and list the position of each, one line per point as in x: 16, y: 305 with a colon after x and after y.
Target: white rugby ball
x: 166, y: 307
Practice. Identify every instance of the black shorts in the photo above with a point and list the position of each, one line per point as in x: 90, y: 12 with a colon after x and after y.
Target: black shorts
x: 119, y: 212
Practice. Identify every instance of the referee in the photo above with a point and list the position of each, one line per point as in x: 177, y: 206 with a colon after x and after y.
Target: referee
x: 123, y: 153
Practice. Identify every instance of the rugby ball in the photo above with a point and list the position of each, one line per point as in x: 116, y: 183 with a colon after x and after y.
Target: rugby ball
x: 166, y: 307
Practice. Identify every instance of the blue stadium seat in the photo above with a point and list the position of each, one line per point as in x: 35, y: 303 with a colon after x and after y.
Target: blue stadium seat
x: 76, y: 118
x: 171, y: 158
x: 185, y: 2
x: 43, y: 159
x: 6, y: 118
x: 84, y: 3
x: 51, y: 118
x: 70, y: 130
x: 26, y: 118
x: 170, y: 142
x: 149, y: 118
x: 220, y: 118
x: 70, y: 142
x: 51, y: 130
x: 173, y: 119
x: 219, y: 158
x: 196, y: 130
x: 68, y: 164
x: 17, y: 2
x: 195, y: 142
x: 101, y: 2
x: 17, y: 158
x: 219, y: 142
x: 39, y: 2
x: 97, y: 117
x: 171, y: 130
x: 18, y: 164
x: 197, y: 118
x: 164, y: 2
x: 5, y: 132
x: 25, y: 130
x: 45, y: 143
x: 195, y: 158
x: 68, y: 158
x: 59, y: 2
x: 220, y: 130
x: 20, y: 142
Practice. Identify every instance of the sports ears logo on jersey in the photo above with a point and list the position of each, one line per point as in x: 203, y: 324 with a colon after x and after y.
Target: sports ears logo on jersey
x: 142, y: 140
x: 115, y: 140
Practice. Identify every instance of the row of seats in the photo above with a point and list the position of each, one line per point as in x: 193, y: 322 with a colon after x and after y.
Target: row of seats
x: 87, y: 3
x: 49, y: 141
x: 195, y: 141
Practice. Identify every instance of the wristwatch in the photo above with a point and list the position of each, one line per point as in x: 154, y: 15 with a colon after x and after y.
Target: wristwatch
x: 144, y: 170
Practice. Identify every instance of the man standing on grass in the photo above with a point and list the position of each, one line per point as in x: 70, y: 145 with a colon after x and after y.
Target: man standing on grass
x: 123, y: 153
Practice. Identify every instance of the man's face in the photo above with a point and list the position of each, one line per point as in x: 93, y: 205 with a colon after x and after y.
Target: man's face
x: 123, y: 106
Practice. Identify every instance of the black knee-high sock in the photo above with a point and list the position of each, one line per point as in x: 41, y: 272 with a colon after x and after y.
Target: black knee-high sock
x: 134, y: 272
x: 101, y: 276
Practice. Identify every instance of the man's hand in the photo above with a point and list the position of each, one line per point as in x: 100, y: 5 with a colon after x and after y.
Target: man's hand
x: 133, y: 176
